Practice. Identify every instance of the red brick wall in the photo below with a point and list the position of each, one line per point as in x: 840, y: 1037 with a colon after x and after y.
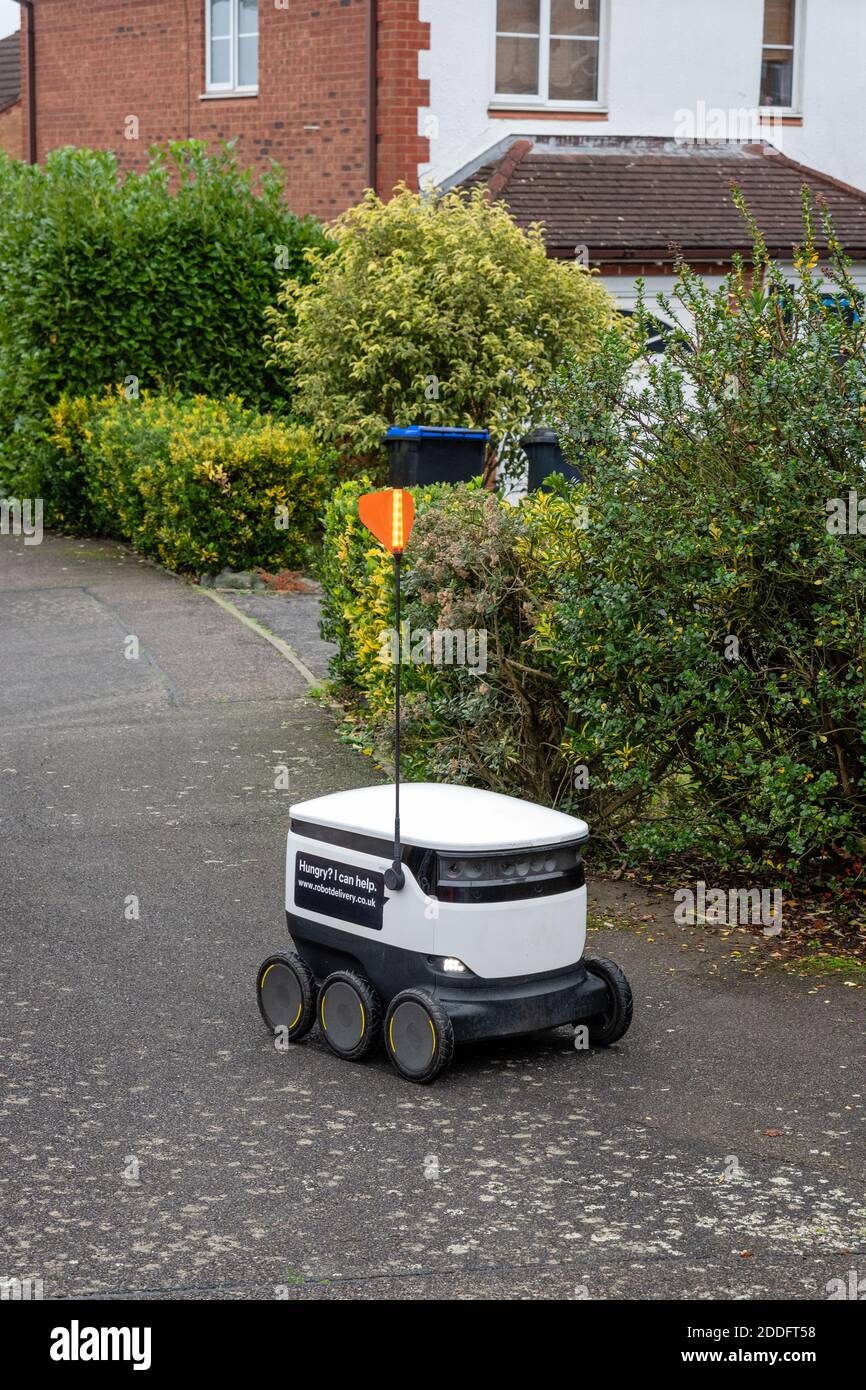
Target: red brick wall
x: 102, y: 61
x: 401, y: 93
x: 12, y: 130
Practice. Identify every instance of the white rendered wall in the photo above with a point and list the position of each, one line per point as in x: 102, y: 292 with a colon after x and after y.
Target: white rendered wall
x: 663, y: 57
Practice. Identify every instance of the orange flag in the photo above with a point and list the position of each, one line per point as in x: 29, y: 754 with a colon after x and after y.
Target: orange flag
x: 389, y: 515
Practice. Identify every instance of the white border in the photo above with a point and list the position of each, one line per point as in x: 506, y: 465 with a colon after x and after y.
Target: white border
x: 503, y: 101
x: 228, y: 88
x: 796, y: 107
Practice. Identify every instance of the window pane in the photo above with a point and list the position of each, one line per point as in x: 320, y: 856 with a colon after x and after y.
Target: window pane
x: 220, y: 61
x: 573, y: 70
x: 517, y: 66
x: 777, y: 74
x: 248, y: 17
x: 518, y: 16
x: 248, y: 62
x: 778, y: 22
x: 566, y: 18
x: 220, y: 18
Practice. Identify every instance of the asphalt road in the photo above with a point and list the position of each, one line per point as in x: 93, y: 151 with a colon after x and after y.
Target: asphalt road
x: 153, y: 1141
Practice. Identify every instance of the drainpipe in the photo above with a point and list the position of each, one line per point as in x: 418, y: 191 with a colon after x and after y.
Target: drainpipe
x: 31, y: 80
x: 372, y: 91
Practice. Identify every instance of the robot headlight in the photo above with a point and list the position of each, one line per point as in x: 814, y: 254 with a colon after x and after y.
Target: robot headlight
x: 449, y: 965
x: 522, y: 872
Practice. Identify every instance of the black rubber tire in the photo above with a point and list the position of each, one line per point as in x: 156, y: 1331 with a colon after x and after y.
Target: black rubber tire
x: 370, y: 1015
x: 442, y: 1036
x: 609, y: 1027
x: 299, y: 993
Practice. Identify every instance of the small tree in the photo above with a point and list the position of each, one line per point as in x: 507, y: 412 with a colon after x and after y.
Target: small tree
x: 435, y: 310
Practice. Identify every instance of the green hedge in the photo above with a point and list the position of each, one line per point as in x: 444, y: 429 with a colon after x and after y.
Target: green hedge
x: 197, y: 483
x: 161, y: 276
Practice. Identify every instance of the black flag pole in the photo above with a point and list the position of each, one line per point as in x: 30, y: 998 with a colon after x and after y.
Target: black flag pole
x: 390, y: 515
x: 394, y: 877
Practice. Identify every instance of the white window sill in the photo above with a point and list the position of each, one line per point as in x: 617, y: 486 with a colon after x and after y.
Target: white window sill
x: 767, y: 113
x: 239, y: 94
x: 500, y: 103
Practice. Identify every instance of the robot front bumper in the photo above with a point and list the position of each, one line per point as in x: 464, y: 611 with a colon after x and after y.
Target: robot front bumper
x: 504, y: 1008
x: 478, y: 1007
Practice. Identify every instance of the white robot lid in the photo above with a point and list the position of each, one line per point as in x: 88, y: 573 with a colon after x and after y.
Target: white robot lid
x: 442, y: 816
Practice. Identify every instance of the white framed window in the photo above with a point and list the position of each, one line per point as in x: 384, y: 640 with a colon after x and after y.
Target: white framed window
x: 550, y: 52
x: 231, y: 45
x: 781, y: 54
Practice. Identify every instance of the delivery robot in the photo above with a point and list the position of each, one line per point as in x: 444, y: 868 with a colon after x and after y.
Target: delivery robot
x: 484, y: 939
x: 464, y: 920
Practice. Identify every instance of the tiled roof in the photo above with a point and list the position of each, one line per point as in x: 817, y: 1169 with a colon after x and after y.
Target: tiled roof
x: 10, y: 71
x: 635, y: 200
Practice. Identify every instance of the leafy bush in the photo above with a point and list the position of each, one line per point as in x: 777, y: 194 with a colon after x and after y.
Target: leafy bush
x: 469, y: 567
x: 162, y: 276
x: 709, y: 637
x: 434, y: 310
x: 357, y: 576
x: 197, y: 483
x: 475, y: 567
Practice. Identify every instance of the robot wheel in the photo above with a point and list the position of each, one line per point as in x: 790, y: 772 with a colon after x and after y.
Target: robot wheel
x: 419, y: 1038
x: 286, y: 991
x: 609, y: 1027
x: 350, y: 1014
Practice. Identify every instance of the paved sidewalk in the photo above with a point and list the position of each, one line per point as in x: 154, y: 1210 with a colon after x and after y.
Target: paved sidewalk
x: 291, y: 616
x: 152, y: 1139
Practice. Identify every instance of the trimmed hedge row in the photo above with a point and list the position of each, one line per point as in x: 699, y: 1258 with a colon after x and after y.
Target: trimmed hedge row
x: 197, y: 483
x: 162, y: 276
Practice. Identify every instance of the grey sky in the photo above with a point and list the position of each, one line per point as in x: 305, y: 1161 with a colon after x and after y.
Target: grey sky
x: 10, y: 17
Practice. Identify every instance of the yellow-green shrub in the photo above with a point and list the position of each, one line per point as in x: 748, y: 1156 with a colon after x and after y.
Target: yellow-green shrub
x: 198, y: 483
x: 473, y: 562
x: 357, y: 575
x: 433, y: 309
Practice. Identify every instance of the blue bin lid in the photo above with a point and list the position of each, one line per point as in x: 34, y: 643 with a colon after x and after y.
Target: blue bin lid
x: 435, y: 432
